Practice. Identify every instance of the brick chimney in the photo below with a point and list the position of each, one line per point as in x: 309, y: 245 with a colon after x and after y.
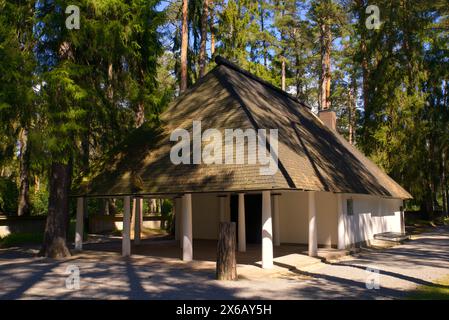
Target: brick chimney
x: 329, y: 118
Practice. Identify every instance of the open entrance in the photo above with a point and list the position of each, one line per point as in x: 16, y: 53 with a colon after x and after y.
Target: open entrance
x: 253, y: 216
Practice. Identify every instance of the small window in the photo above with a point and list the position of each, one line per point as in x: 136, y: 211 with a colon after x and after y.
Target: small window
x: 350, y: 207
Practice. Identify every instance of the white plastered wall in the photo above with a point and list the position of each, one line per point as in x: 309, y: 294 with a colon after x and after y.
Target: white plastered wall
x: 372, y: 215
x: 294, y: 221
x: 205, y: 216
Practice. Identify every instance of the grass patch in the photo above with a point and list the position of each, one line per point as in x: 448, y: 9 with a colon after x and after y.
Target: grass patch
x: 437, y: 291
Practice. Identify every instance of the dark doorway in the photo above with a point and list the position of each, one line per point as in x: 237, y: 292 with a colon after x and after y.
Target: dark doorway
x: 253, y: 216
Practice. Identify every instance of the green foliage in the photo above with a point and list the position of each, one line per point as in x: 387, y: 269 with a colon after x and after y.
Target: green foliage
x: 167, y: 213
x: 39, y: 202
x: 9, y: 195
x: 439, y: 290
x: 80, y: 92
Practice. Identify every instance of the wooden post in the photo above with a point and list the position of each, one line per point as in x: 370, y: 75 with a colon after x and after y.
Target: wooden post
x: 79, y: 224
x: 226, y: 262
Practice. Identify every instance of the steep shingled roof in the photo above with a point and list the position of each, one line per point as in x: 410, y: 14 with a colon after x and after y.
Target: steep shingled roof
x: 311, y: 156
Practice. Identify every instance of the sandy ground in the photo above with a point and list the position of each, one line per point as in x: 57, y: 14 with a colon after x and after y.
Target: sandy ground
x: 105, y: 275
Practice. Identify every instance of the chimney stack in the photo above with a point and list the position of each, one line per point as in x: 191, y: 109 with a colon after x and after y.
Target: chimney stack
x: 329, y: 118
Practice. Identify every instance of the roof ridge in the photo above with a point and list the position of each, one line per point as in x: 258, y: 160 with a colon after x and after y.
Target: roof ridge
x: 228, y: 86
x: 219, y: 60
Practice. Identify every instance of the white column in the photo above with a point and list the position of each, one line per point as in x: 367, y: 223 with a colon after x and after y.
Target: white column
x: 126, y: 239
x: 241, y: 223
x: 341, y: 222
x: 276, y: 228
x: 79, y: 224
x: 138, y: 220
x: 187, y: 245
x: 267, y: 231
x: 313, y: 243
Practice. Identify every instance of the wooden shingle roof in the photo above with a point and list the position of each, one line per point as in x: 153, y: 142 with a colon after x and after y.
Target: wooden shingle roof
x: 311, y: 156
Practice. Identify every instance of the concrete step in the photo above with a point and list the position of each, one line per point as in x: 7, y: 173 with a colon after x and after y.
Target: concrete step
x: 392, y: 237
x: 332, y: 254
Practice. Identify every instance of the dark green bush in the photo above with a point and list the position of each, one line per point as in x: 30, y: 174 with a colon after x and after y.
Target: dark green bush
x: 167, y: 213
x: 9, y: 195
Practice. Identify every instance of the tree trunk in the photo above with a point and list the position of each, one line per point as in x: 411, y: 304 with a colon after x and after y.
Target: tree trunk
x: 298, y: 76
x: 443, y: 184
x: 85, y: 151
x: 37, y: 184
x: 184, y: 46
x: 110, y: 91
x: 352, y: 103
x: 262, y: 29
x: 325, y: 77
x: 447, y: 197
x: 55, y: 236
x: 212, y: 29
x: 283, y: 74
x: 24, y: 196
x: 226, y: 262
x: 202, y: 57
x: 139, y: 117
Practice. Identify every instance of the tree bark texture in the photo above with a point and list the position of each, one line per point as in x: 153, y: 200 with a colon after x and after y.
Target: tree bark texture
x: 226, y: 261
x: 55, y: 245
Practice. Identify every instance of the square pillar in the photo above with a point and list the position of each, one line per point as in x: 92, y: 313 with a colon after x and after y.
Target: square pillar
x: 267, y: 232
x: 79, y: 229
x: 276, y: 227
x: 340, y: 223
x: 313, y: 242
x: 187, y: 244
x: 138, y: 220
x: 126, y: 238
x: 241, y: 223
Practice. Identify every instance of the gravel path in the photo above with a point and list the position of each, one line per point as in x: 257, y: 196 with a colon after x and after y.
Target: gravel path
x: 106, y: 276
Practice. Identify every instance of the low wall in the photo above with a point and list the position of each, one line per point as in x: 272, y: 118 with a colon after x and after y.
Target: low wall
x: 10, y: 225
x: 100, y: 223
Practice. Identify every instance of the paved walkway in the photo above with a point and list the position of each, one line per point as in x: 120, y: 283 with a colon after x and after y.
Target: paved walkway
x: 107, y: 276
